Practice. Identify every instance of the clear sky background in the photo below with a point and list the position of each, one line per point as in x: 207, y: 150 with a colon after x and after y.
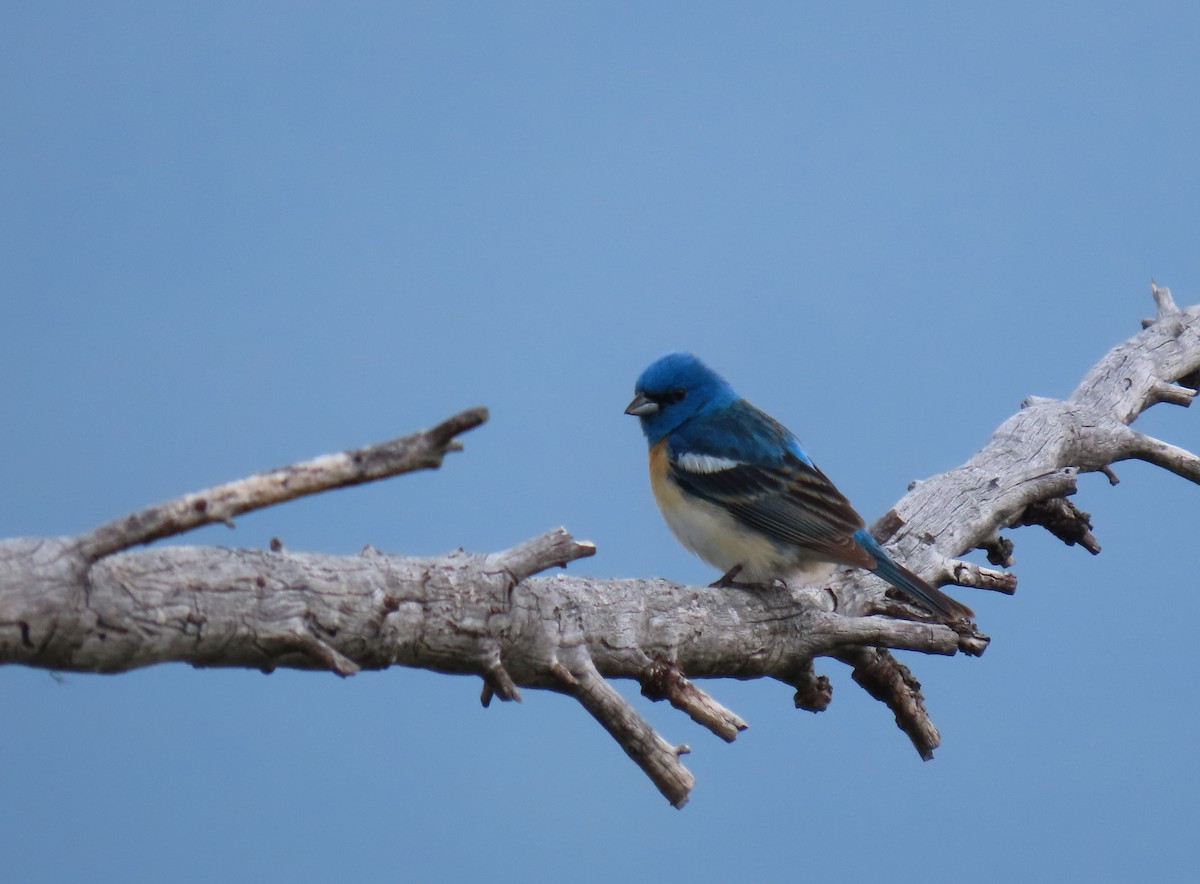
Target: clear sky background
x: 236, y: 235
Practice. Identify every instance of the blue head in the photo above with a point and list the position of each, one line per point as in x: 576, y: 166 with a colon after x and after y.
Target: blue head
x: 674, y: 388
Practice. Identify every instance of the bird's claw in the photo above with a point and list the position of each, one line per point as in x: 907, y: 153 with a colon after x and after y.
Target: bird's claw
x: 727, y: 581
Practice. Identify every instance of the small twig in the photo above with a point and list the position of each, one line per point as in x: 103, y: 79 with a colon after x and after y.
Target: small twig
x: 1166, y: 306
x: 663, y: 680
x: 1064, y: 520
x: 962, y: 573
x: 814, y: 692
x: 1175, y: 394
x: 563, y: 674
x: 999, y: 550
x: 886, y: 679
x: 324, y: 653
x: 971, y: 641
x: 555, y: 548
x: 1178, y: 460
x: 654, y: 755
x: 497, y: 682
x: 907, y: 635
x: 1163, y: 300
x: 419, y: 451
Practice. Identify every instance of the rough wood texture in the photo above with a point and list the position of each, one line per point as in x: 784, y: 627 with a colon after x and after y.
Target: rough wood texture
x: 93, y: 603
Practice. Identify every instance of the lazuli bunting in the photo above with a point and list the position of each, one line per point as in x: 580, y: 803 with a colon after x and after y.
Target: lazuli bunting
x: 738, y: 490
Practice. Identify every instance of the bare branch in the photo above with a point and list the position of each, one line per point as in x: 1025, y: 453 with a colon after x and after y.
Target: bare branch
x: 498, y: 683
x: 814, y: 692
x: 1164, y: 301
x: 1161, y: 391
x: 1064, y: 520
x: 321, y: 651
x: 962, y: 573
x: 1170, y: 457
x: 931, y: 638
x: 1036, y: 454
x: 654, y: 755
x: 664, y: 681
x: 419, y: 451
x: 886, y: 679
x: 553, y: 549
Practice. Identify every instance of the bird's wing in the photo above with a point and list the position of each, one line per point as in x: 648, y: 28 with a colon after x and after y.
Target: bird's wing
x: 747, y: 463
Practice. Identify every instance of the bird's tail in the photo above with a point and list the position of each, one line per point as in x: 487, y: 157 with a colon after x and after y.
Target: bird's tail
x: 910, y: 584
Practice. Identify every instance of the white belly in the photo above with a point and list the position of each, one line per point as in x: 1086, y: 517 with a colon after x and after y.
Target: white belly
x: 718, y: 538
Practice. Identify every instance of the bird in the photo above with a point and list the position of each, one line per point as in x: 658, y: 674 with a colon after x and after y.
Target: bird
x: 738, y: 489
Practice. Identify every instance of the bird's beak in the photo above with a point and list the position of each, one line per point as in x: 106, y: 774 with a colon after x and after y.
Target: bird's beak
x: 641, y: 406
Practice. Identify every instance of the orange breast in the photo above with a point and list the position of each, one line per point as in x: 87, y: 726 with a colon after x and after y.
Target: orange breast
x: 658, y: 461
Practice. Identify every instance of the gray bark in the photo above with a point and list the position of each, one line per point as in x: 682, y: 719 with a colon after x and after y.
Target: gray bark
x: 95, y: 603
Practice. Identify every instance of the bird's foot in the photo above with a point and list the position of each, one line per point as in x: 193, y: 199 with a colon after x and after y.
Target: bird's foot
x: 727, y: 581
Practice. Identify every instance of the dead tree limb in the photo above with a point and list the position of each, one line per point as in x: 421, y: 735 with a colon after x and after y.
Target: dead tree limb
x: 98, y: 603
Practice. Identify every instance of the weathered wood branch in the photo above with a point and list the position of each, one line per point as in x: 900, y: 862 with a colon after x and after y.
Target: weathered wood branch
x: 420, y: 451
x: 95, y: 603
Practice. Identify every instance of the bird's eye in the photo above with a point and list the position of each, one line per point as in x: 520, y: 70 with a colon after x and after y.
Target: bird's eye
x: 672, y: 396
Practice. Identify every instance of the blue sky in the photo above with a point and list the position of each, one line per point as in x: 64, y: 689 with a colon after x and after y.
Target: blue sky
x: 237, y: 235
